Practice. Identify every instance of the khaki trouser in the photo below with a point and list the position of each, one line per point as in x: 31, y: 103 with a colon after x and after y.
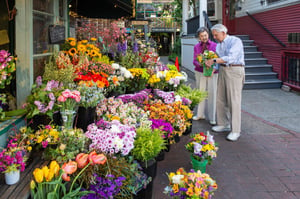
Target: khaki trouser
x: 208, y: 106
x: 229, y: 97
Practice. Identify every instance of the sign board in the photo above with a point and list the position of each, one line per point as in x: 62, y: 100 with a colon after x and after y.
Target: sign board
x: 144, y: 1
x: 163, y: 29
x: 57, y: 34
x: 139, y: 22
x: 4, y: 37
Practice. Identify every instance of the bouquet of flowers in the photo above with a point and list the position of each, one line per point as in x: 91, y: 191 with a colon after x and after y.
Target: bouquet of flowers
x: 7, y: 66
x: 44, y: 136
x: 69, y: 99
x: 12, y: 157
x: 111, y: 137
x: 207, y: 54
x: 190, y: 185
x: 90, y: 95
x: 202, y: 147
x: 43, y: 98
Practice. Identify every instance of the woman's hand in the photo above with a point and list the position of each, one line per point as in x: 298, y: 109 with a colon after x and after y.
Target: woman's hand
x: 209, y: 62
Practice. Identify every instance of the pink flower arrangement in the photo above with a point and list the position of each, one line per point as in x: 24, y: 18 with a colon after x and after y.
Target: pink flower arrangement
x: 69, y: 99
x: 112, y: 139
x: 12, y: 157
x: 7, y: 66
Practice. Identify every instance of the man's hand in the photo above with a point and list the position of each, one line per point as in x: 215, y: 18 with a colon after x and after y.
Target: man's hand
x: 209, y: 62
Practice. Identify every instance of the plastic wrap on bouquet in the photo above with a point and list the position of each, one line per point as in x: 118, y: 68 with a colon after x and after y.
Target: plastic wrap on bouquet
x: 207, y: 71
x: 199, y: 165
x: 67, y: 117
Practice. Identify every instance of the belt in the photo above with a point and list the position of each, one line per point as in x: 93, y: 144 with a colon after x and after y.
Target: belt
x: 232, y: 65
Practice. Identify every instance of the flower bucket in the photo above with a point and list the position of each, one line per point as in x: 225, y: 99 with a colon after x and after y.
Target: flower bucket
x: 67, y: 117
x: 12, y: 177
x: 207, y: 71
x: 85, y: 116
x: 160, y: 156
x: 199, y: 165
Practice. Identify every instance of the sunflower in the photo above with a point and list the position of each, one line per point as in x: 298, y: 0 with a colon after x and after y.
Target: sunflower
x: 81, y: 48
x: 93, y: 39
x: 73, y: 43
x: 72, y: 51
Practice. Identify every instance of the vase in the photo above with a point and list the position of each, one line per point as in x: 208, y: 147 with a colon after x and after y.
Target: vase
x: 199, y: 165
x: 12, y: 177
x: 207, y: 71
x: 85, y: 116
x: 67, y: 117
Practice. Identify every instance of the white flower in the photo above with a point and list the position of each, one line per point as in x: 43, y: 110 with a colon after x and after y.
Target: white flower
x: 115, y: 129
x: 118, y: 143
x: 178, y: 98
x: 197, y: 148
x: 176, y: 179
x: 115, y: 66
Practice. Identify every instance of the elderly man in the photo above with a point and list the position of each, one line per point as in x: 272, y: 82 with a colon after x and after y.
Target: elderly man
x: 230, y: 82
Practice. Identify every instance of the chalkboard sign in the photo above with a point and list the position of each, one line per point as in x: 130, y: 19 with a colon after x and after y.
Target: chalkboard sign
x: 56, y: 34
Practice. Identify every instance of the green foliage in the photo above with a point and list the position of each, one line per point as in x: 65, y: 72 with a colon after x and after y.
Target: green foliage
x: 130, y: 60
x: 64, y: 74
x: 90, y: 96
x: 148, y: 144
x: 195, y: 95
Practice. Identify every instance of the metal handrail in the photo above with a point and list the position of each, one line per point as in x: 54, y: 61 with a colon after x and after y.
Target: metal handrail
x: 268, y: 31
x: 209, y: 25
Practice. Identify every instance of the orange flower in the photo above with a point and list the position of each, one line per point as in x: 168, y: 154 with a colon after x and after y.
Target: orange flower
x: 68, y: 168
x: 95, y: 158
x: 82, y: 160
x: 72, y: 51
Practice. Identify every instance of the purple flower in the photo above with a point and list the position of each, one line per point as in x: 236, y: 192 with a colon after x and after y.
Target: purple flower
x: 135, y: 47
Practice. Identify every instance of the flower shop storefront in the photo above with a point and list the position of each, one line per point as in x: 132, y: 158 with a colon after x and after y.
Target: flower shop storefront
x: 96, y: 125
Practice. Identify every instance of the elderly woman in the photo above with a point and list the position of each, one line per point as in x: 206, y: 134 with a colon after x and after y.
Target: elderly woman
x: 205, y: 83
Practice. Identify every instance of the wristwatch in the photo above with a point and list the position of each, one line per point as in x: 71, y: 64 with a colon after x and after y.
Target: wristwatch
x: 215, y: 60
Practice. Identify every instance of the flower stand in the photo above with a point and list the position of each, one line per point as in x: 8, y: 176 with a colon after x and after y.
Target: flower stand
x: 85, y: 116
x: 12, y: 177
x: 199, y: 165
x: 68, y: 118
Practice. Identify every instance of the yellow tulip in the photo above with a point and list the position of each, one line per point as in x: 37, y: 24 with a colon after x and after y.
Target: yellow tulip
x: 54, y: 167
x: 45, y: 171
x: 49, y: 176
x: 38, y: 175
x: 32, y: 184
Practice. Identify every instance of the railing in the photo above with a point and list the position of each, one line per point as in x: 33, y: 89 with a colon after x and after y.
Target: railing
x: 267, y: 30
x: 290, y: 73
x: 163, y: 22
x: 208, y: 24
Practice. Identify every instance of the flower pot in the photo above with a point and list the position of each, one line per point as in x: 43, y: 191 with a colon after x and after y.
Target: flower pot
x: 85, y: 116
x: 149, y: 167
x: 188, y: 130
x: 160, y: 156
x: 67, y: 117
x: 12, y: 177
x: 176, y: 138
x: 199, y: 165
x: 145, y: 193
x: 38, y: 120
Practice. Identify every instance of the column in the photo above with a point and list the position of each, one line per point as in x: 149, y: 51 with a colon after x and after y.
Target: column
x: 202, y: 7
x: 185, y: 9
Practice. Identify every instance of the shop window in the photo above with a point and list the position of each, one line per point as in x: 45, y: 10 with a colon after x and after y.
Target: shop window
x: 43, y: 6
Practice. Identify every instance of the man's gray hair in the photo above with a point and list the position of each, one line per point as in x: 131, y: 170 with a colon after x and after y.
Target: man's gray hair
x: 219, y: 28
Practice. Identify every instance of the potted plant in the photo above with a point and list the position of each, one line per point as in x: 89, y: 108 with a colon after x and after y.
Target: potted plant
x: 12, y: 161
x: 193, y: 184
x: 203, y: 150
x: 195, y: 95
x: 91, y: 95
x: 147, y: 145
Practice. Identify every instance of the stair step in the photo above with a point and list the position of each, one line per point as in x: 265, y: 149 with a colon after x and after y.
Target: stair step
x: 243, y: 37
x: 261, y: 75
x: 254, y: 61
x: 247, y: 42
x: 253, y: 54
x: 258, y: 68
x: 262, y: 84
x: 250, y: 48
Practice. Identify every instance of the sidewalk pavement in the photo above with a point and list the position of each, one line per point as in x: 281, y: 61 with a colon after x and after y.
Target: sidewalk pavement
x: 263, y: 164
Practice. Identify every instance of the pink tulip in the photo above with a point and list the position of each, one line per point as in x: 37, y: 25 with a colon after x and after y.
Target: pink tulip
x: 70, y: 167
x: 95, y: 158
x: 82, y: 160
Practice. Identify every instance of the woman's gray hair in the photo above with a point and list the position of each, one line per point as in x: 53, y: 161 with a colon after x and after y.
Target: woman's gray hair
x: 200, y: 30
x: 219, y: 28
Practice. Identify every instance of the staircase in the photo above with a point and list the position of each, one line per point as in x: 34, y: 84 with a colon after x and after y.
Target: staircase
x: 259, y: 74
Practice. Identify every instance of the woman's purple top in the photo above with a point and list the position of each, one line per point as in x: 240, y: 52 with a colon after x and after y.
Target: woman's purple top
x: 198, y: 49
